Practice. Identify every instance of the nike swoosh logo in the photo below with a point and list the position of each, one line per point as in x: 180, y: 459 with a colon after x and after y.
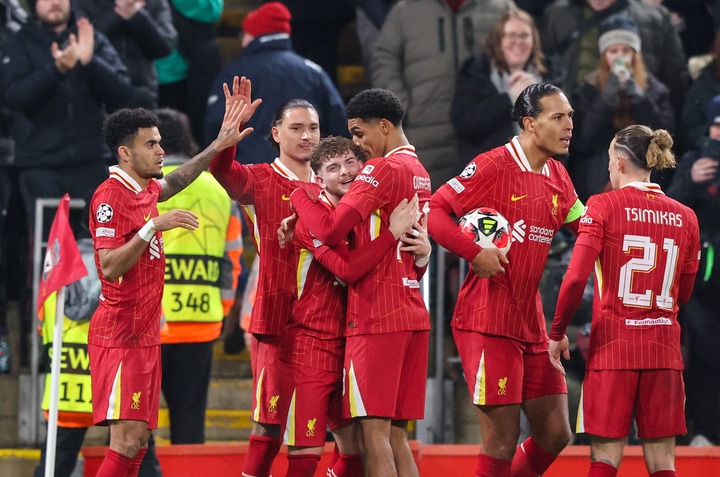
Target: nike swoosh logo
x: 515, y: 198
x: 284, y: 197
x: 147, y: 217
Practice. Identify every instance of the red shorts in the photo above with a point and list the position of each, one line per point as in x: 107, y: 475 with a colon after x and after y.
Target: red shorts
x: 125, y: 384
x: 315, y: 401
x: 385, y: 375
x: 266, y: 369
x: 502, y: 371
x: 609, y: 398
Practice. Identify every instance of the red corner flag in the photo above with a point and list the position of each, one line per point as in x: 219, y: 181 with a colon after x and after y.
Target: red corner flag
x: 63, y: 262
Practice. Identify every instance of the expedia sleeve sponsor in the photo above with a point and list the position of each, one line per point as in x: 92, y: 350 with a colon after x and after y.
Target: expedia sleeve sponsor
x: 192, y: 270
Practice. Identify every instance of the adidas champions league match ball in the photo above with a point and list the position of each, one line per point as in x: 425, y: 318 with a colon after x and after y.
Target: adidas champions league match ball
x: 487, y: 228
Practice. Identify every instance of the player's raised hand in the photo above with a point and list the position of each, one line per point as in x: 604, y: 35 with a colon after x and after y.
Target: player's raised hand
x: 287, y: 230
x: 489, y: 262
x: 241, y: 91
x: 176, y: 218
x: 557, y: 348
x: 231, y: 132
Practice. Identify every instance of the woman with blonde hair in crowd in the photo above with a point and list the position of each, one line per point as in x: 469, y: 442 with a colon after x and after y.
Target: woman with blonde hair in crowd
x: 489, y: 83
x: 620, y: 92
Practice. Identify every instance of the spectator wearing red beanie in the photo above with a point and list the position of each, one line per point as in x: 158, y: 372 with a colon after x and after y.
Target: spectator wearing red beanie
x: 271, y: 17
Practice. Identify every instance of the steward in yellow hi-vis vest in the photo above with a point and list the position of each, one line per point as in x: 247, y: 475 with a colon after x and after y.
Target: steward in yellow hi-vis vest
x: 201, y: 274
x: 202, y: 266
x: 74, y: 398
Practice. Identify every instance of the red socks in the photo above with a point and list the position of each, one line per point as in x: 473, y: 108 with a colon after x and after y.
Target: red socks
x: 491, y: 467
x: 334, y: 457
x: 261, y: 453
x: 346, y: 466
x: 115, y: 464
x: 302, y: 465
x: 601, y: 469
x: 664, y: 473
x: 530, y: 459
x: 137, y: 462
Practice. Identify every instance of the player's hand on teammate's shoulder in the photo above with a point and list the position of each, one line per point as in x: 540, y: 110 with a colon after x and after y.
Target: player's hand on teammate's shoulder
x: 176, y: 218
x: 489, y: 262
x: 557, y: 348
x: 287, y: 230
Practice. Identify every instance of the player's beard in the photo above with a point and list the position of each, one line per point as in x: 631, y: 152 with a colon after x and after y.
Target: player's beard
x: 157, y: 175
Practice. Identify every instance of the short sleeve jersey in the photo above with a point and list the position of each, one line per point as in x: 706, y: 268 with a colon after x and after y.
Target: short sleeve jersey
x: 536, y: 205
x: 265, y: 199
x: 128, y: 314
x: 646, y: 240
x: 314, y: 336
x: 387, y: 299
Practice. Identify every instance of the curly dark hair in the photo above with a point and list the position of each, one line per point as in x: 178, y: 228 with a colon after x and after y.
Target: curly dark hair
x: 332, y: 146
x: 121, y: 127
x: 174, y: 129
x: 376, y: 103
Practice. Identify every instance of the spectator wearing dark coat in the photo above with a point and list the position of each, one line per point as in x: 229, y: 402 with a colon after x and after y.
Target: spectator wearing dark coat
x: 696, y: 183
x: 662, y: 49
x: 277, y: 74
x: 618, y: 93
x: 692, y: 125
x: 57, y: 77
x: 141, y: 31
x: 489, y: 83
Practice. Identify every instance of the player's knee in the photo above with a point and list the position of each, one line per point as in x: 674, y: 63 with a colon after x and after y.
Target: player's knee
x: 503, y: 450
x: 128, y: 444
x: 556, y: 441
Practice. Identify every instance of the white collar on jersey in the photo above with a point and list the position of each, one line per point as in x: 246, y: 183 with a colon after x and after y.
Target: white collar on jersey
x: 646, y: 186
x: 284, y: 171
x: 125, y: 179
x: 323, y: 196
x: 408, y: 149
x: 517, y: 153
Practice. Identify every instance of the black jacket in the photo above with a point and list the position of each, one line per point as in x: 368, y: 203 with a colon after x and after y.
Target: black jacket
x: 480, y: 114
x: 278, y: 74
x: 692, y: 125
x: 594, y: 130
x: 57, y: 118
x: 140, y: 41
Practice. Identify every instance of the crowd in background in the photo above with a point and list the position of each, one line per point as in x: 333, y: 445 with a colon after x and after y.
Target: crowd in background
x: 457, y: 66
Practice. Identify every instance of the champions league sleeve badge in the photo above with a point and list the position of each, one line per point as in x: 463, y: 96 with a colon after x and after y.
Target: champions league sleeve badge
x: 104, y: 213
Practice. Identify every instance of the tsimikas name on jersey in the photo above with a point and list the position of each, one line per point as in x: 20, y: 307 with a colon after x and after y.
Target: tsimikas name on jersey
x: 659, y: 217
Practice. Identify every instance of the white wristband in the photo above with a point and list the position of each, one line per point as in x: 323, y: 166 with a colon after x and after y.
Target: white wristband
x: 422, y: 261
x: 147, y: 231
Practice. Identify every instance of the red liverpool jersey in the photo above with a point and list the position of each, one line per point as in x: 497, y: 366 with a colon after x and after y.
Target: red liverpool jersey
x: 128, y: 315
x: 536, y: 205
x: 388, y: 299
x: 646, y: 241
x: 264, y: 192
x: 315, y: 334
